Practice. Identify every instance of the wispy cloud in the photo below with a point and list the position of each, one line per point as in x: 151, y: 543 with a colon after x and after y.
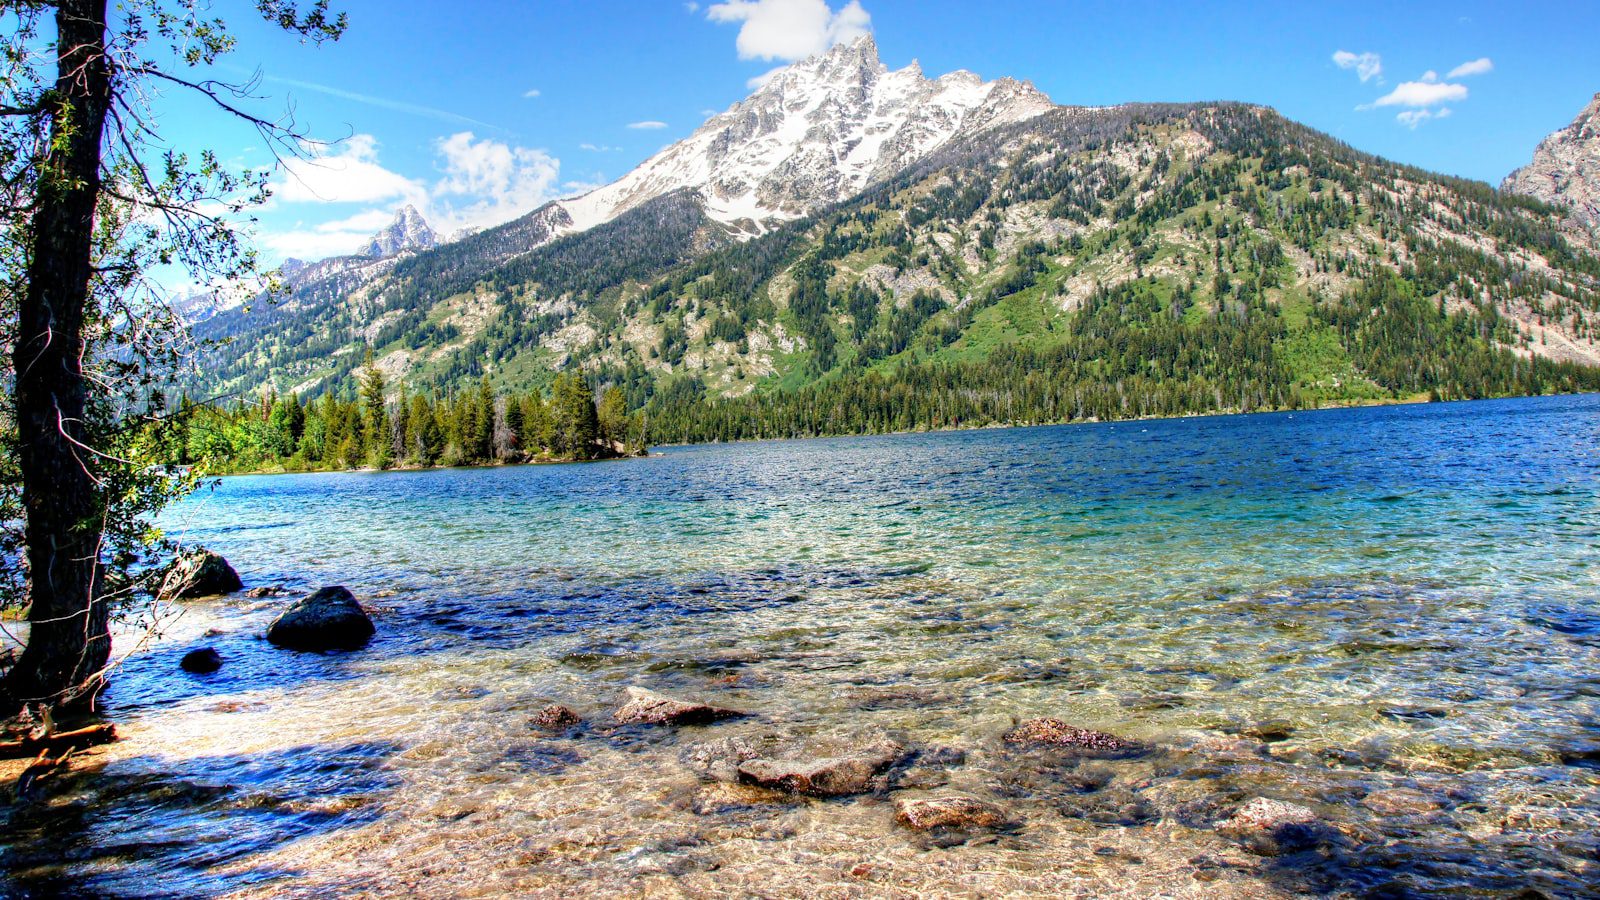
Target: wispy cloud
x: 599, y: 148
x: 1411, y: 118
x: 1367, y: 65
x: 415, y: 109
x: 531, y: 93
x: 1419, y: 94
x: 1481, y: 66
x: 648, y: 125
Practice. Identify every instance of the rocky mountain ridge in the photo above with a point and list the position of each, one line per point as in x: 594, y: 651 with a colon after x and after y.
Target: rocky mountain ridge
x: 815, y: 133
x: 1565, y: 170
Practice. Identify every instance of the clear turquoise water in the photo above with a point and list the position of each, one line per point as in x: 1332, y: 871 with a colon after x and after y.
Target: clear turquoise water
x: 1412, y: 594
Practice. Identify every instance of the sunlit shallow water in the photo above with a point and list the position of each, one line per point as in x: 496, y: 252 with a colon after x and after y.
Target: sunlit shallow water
x: 1389, y: 615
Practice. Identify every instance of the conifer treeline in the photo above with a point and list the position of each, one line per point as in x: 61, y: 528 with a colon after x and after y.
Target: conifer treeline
x: 372, y: 428
x: 1136, y: 352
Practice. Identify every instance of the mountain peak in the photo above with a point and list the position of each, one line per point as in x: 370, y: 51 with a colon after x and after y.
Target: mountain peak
x: 815, y: 133
x: 408, y: 232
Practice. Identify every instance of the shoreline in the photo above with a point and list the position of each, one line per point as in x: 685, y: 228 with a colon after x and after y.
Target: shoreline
x: 368, y: 470
x: 1421, y: 400
x: 1219, y: 414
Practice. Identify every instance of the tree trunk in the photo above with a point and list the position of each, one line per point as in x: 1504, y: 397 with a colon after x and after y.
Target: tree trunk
x: 69, y: 640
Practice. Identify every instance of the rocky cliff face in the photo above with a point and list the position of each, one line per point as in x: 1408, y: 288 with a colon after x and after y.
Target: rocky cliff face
x: 818, y: 132
x: 1566, y: 169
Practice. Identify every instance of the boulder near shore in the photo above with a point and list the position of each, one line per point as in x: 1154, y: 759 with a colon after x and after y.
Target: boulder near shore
x: 200, y: 574
x: 329, y: 619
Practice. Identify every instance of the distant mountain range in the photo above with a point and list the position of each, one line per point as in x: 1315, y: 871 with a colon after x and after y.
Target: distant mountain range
x: 847, y: 227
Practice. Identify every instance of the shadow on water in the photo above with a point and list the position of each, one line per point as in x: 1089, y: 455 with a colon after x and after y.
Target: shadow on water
x: 184, y: 827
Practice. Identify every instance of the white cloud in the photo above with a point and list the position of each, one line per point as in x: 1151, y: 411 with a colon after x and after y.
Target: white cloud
x: 790, y: 29
x: 760, y: 81
x: 1481, y: 66
x: 481, y: 182
x: 1419, y: 94
x: 692, y: 7
x: 1430, y: 76
x: 486, y: 182
x: 650, y: 125
x: 1367, y: 65
x: 531, y: 93
x: 599, y: 148
x: 348, y: 172
x: 1411, y: 118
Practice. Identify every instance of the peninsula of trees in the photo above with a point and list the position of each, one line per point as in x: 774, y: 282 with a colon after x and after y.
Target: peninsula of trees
x: 372, y: 429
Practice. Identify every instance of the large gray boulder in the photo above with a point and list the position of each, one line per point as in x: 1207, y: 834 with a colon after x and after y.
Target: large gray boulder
x: 200, y: 573
x: 329, y: 619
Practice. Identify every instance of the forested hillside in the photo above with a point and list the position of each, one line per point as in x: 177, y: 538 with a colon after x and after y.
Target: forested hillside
x: 1132, y: 261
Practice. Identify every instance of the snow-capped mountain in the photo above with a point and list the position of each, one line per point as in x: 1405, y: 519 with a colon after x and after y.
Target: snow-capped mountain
x: 408, y: 232
x: 1566, y: 169
x: 816, y: 133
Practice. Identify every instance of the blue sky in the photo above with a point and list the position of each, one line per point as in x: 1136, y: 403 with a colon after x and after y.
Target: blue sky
x: 482, y: 111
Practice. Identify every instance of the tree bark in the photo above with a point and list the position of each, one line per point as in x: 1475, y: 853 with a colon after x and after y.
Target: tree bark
x: 69, y: 640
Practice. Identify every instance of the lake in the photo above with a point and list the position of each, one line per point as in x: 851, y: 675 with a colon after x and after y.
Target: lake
x: 1388, y: 615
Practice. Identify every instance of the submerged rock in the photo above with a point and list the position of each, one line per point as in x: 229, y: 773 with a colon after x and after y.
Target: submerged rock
x: 199, y: 574
x: 1401, y: 802
x: 646, y: 707
x: 329, y: 619
x: 720, y: 797
x: 201, y: 662
x: 1270, y: 827
x: 857, y: 772
x: 719, y: 760
x: 266, y: 592
x: 954, y: 812
x: 1056, y: 733
x: 1271, y: 732
x: 556, y: 717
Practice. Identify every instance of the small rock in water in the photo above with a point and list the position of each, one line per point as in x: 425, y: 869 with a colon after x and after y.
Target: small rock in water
x: 266, y: 592
x: 1270, y: 732
x: 201, y: 662
x: 1056, y: 733
x: 329, y: 619
x: 1270, y: 827
x: 948, y: 812
x: 556, y: 717
x: 1400, y: 802
x: 721, y: 797
x: 199, y: 574
x: 645, y: 707
x: 826, y: 776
